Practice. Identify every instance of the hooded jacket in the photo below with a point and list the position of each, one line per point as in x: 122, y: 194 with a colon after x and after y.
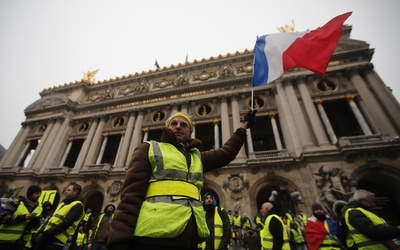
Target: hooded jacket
x: 137, y: 180
x: 102, y: 226
x: 226, y: 227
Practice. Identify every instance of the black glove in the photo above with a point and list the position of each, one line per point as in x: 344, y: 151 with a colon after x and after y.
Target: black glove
x: 250, y: 118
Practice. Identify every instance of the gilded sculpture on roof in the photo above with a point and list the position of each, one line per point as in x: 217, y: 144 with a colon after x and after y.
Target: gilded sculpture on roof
x: 287, y: 28
x: 88, y: 77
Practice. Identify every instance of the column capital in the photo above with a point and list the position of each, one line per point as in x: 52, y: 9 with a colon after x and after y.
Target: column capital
x: 319, y: 101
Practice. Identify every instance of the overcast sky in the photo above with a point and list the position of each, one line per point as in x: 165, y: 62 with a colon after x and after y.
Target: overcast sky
x: 46, y: 43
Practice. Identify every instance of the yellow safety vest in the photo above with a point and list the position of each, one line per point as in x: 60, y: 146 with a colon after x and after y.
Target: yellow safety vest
x: 297, y: 236
x: 267, y: 241
x: 12, y: 233
x: 173, y: 194
x: 362, y: 241
x: 218, y: 231
x: 237, y: 221
x: 57, y: 218
x: 81, y: 239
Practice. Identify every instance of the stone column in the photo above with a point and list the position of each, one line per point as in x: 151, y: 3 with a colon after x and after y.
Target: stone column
x: 39, y: 148
x: 64, y: 158
x: 21, y: 156
x: 226, y: 132
x: 103, y: 147
x: 136, y: 135
x: 288, y: 120
x: 386, y: 98
x: 119, y: 148
x: 58, y: 144
x: 9, y: 158
x: 121, y: 159
x: 360, y: 119
x: 327, y: 124
x: 249, y: 141
x: 193, y: 135
x: 275, y: 129
x: 298, y: 116
x: 368, y: 117
x: 316, y: 124
x: 95, y: 145
x: 374, y: 107
x: 216, y: 134
x: 145, y: 134
x: 86, y: 145
x: 184, y: 108
x: 236, y: 122
x: 47, y: 144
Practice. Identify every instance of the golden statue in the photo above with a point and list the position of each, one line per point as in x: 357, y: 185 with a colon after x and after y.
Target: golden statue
x: 89, y: 76
x: 287, y: 28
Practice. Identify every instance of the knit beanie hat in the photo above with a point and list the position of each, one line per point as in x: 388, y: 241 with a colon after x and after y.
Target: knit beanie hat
x: 316, y: 206
x: 32, y: 190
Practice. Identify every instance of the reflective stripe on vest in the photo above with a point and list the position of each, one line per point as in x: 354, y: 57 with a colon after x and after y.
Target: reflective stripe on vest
x: 13, y: 232
x: 267, y: 241
x: 165, y: 213
x: 58, y: 217
x: 173, y: 188
x: 362, y: 241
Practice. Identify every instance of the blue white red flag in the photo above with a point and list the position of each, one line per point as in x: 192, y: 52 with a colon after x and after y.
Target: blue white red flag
x: 276, y: 53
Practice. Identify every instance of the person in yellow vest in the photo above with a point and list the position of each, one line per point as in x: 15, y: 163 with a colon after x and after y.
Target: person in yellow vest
x: 321, y: 230
x: 230, y: 218
x: 101, y: 229
x: 297, y: 241
x: 87, y: 220
x: 59, y: 229
x: 274, y: 234
x: 160, y: 205
x: 218, y: 224
x: 19, y: 217
x: 368, y: 230
x: 80, y: 240
x: 46, y: 214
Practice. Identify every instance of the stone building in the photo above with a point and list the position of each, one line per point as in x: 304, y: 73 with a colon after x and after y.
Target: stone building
x: 317, y: 138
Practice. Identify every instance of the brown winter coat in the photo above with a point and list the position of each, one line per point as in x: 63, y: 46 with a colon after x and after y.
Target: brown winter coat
x: 137, y: 180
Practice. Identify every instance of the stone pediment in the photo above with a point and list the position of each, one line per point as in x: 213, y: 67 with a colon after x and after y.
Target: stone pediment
x: 49, y: 102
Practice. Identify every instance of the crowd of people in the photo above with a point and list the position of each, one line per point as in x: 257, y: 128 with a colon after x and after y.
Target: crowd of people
x: 161, y: 208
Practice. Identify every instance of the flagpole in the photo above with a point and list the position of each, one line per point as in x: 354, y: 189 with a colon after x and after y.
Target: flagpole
x: 252, y: 86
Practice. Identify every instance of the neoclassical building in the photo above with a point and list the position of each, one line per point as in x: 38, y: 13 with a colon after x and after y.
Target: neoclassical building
x: 317, y: 138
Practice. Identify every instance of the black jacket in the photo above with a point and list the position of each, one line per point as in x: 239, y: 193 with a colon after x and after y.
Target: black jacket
x: 276, y: 229
x: 365, y: 226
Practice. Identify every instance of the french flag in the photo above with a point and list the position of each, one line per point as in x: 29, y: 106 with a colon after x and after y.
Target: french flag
x: 276, y: 53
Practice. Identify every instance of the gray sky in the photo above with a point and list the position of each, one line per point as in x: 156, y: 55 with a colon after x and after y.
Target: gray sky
x: 46, y: 43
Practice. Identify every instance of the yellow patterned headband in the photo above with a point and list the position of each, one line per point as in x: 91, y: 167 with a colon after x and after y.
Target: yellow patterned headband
x: 184, y: 116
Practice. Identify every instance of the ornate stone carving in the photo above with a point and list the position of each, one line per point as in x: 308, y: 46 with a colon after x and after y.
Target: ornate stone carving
x: 225, y: 71
x: 236, y: 183
x: 163, y: 83
x: 182, y: 79
x: 204, y: 76
x: 115, y: 188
